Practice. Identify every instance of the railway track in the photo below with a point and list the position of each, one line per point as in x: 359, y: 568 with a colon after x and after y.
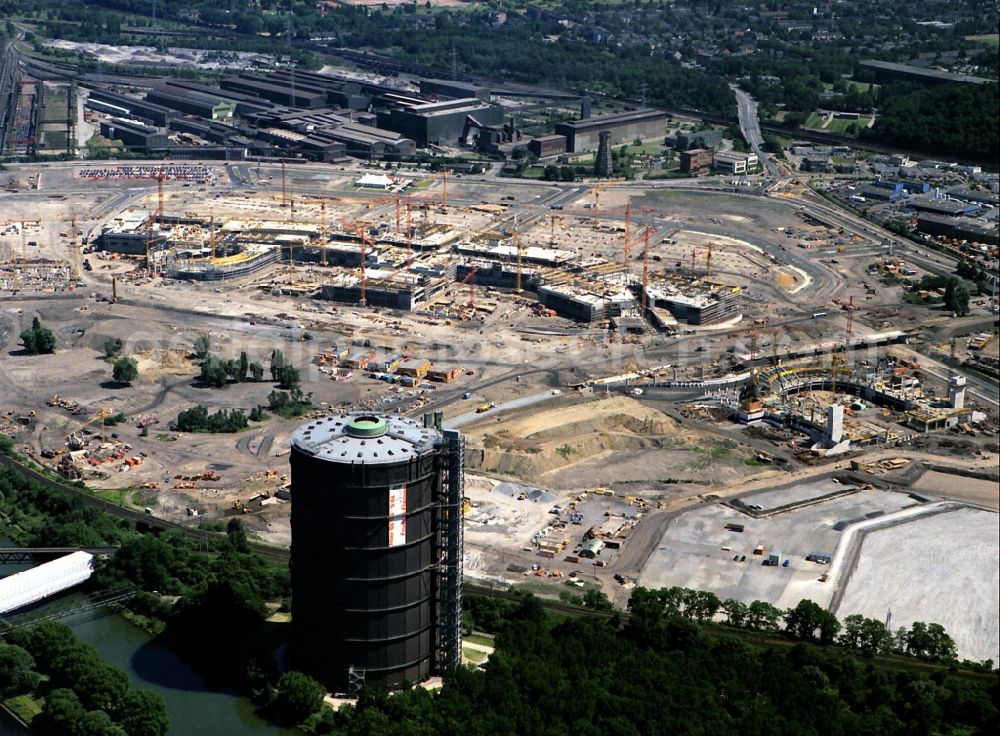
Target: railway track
x: 275, y: 554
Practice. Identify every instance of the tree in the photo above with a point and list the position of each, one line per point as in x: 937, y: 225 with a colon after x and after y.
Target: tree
x: 597, y: 599
x: 236, y: 533
x: 244, y: 366
x: 298, y: 696
x: 956, y: 297
x: 202, y: 346
x: 867, y: 635
x: 550, y: 172
x: 113, y: 346
x: 736, y: 612
x: 126, y: 370
x: 214, y: 372
x: 142, y: 713
x: 17, y: 669
x: 762, y: 616
x: 62, y: 715
x: 38, y: 340
x: 809, y: 621
x: 288, y: 377
x: 277, y: 362
x: 98, y: 723
x: 256, y: 372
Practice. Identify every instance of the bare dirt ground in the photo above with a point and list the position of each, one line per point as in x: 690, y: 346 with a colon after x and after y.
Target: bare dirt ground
x: 614, y: 441
x: 981, y: 492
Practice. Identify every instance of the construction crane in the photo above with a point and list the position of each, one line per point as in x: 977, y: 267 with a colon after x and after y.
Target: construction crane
x: 645, y: 267
x: 283, y: 189
x: 444, y: 189
x: 75, y: 440
x: 849, y: 332
x: 597, y: 206
x: 708, y: 262
x: 470, y: 279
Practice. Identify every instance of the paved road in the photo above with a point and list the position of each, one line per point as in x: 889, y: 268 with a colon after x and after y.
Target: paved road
x: 750, y: 127
x: 471, y: 416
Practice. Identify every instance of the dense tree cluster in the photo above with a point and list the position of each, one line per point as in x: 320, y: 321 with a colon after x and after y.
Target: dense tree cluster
x: 36, y: 516
x: 659, y: 674
x: 38, y: 340
x: 85, y: 695
x: 197, y: 419
x: 956, y: 119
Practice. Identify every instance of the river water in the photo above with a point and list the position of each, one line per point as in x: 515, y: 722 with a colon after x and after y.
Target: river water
x: 194, y: 709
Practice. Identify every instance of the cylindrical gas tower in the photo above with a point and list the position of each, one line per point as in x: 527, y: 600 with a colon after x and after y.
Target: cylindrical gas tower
x: 370, y: 502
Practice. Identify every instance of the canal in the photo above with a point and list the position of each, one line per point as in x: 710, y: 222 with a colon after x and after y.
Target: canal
x: 194, y: 708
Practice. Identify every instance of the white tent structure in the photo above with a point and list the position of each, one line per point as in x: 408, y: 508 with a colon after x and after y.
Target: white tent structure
x: 31, y: 586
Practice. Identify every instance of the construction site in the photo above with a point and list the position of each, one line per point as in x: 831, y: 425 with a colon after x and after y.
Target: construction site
x: 632, y: 365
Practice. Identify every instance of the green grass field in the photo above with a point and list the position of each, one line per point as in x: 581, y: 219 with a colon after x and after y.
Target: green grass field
x: 835, y: 126
x: 55, y: 140
x: 55, y: 108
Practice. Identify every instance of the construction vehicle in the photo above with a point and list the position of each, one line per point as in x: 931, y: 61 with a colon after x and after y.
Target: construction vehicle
x: 485, y: 408
x: 76, y: 441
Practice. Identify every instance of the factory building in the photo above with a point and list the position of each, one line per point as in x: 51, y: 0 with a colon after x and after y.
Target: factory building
x: 317, y: 146
x: 126, y: 106
x: 943, y: 206
x: 136, y: 136
x: 343, y: 93
x: 205, y: 129
x: 884, y: 71
x: 448, y: 89
x: 245, y: 104
x: 961, y: 228
x: 376, y: 552
x: 584, y: 135
x: 280, y: 93
x: 193, y: 103
x: 360, y: 139
x: 547, y: 145
x: 436, y: 123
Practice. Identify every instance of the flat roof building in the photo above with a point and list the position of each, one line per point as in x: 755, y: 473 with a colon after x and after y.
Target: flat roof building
x: 887, y: 70
x: 193, y: 103
x: 547, y: 145
x: 282, y: 94
x: 438, y: 123
x: 584, y: 135
x: 696, y: 161
x: 120, y: 105
x: 134, y: 135
x: 452, y: 90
